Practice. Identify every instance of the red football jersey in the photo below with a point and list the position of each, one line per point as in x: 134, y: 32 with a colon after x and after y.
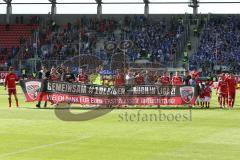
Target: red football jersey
x: 82, y: 78
x: 197, y: 81
x: 10, y: 81
x: 231, y: 84
x: 139, y: 80
x: 222, y: 87
x: 176, y: 80
x: 165, y: 80
x: 207, y: 91
x: 119, y: 80
x: 202, y: 94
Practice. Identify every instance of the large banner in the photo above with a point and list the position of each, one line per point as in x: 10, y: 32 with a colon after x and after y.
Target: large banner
x: 58, y: 92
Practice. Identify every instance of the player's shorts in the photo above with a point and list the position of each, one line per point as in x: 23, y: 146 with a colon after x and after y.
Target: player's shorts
x: 223, y: 95
x: 198, y: 99
x: 202, y: 99
x: 12, y: 91
x: 207, y: 99
x: 231, y: 95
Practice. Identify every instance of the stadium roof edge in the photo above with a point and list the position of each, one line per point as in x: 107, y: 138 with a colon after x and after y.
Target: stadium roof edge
x: 119, y: 2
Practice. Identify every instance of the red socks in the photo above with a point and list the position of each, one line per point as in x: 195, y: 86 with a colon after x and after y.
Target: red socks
x: 10, y: 102
x: 17, y: 103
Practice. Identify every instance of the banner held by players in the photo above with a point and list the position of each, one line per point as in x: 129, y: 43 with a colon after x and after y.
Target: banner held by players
x: 59, y: 92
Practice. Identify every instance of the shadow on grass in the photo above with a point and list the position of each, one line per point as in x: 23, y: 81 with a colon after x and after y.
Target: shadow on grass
x: 127, y: 108
x: 64, y: 111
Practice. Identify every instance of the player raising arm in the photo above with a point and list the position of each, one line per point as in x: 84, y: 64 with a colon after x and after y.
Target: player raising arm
x: 10, y: 83
x: 177, y: 80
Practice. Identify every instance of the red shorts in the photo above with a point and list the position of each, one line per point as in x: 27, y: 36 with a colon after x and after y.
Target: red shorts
x: 231, y: 95
x: 223, y: 95
x: 201, y: 96
x: 12, y: 91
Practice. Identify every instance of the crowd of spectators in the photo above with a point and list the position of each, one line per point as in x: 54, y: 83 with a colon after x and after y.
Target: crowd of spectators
x: 5, y: 57
x: 59, y: 42
x: 24, y: 49
x: 153, y: 40
x: 219, y: 48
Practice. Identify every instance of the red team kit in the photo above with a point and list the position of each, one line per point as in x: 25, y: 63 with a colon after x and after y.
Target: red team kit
x: 226, y: 88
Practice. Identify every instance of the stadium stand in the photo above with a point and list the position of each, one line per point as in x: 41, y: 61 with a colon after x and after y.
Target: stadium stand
x: 219, y: 46
x: 12, y: 38
x: 155, y: 41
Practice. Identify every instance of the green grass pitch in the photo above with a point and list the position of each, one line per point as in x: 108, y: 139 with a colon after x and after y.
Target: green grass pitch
x: 37, y: 134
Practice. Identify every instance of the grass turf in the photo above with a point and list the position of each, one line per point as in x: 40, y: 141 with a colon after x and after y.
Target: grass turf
x: 37, y: 134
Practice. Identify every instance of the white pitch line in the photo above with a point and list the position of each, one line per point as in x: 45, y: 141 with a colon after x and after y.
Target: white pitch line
x: 40, y: 147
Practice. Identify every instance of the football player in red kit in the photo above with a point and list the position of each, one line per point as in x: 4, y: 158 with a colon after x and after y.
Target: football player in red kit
x: 201, y: 97
x: 139, y: 79
x: 207, y: 94
x: 231, y: 87
x: 165, y: 79
x: 10, y: 83
x: 177, y: 80
x: 222, y: 91
x: 119, y: 79
x: 82, y: 77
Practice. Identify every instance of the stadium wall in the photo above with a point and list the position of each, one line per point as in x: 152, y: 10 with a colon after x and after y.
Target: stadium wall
x: 64, y: 18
